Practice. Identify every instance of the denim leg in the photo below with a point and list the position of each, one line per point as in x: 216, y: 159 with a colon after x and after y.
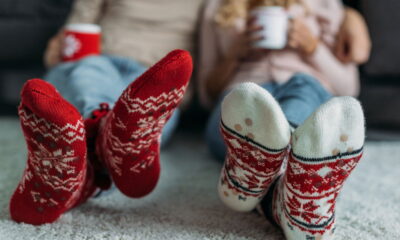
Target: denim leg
x: 213, y: 134
x: 300, y: 97
x: 87, y: 83
x: 131, y: 70
x: 128, y: 69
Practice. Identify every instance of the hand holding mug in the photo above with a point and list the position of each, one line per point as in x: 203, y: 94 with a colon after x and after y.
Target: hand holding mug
x: 300, y: 37
x: 73, y: 43
x: 245, y: 45
x: 53, y: 52
x: 274, y: 21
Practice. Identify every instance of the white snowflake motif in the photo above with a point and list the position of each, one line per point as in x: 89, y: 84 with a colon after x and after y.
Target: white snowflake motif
x: 120, y: 124
x: 72, y: 45
x: 235, y: 143
x: 350, y: 165
x: 258, y: 156
x: 52, y: 166
x: 152, y: 103
x: 25, y: 178
x: 297, y: 169
x: 142, y: 165
x: 149, y: 127
x: 114, y: 162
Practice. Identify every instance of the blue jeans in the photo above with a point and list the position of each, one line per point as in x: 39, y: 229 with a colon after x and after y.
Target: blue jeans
x: 298, y: 98
x: 100, y: 79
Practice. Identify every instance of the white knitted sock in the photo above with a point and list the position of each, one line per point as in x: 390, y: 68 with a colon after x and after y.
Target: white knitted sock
x: 257, y: 136
x: 325, y: 149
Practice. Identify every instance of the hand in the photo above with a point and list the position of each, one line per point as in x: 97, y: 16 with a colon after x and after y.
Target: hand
x: 53, y: 53
x: 244, y: 46
x: 353, y: 42
x: 301, y: 39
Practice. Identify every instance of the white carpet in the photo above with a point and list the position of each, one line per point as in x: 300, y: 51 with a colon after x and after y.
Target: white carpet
x: 185, y: 204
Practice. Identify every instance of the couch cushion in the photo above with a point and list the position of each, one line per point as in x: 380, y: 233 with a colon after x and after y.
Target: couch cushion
x: 34, y: 10
x: 383, y: 20
x: 26, y: 25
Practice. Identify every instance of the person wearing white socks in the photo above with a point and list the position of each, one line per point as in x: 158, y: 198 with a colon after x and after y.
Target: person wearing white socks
x: 322, y: 153
x: 287, y: 142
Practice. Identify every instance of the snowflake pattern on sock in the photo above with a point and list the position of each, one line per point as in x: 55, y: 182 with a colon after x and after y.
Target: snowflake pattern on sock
x: 146, y: 132
x: 130, y: 135
x: 50, y: 163
x: 249, y: 167
x: 309, y: 191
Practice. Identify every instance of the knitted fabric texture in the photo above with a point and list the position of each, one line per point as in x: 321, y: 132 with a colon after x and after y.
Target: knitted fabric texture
x: 129, y: 138
x: 56, y: 167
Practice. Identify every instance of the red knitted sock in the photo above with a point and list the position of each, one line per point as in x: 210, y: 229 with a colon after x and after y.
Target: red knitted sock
x: 129, y: 140
x: 56, y: 166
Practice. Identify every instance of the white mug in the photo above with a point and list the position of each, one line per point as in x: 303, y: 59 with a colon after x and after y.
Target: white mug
x: 275, y: 23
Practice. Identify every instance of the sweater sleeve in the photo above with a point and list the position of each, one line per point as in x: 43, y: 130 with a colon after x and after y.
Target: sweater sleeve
x: 342, y: 78
x: 86, y: 11
x: 209, y: 50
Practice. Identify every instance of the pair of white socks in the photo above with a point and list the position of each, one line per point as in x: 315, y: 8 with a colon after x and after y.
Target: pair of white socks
x: 320, y: 155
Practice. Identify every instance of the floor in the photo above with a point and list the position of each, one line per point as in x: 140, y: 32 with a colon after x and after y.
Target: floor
x: 185, y: 204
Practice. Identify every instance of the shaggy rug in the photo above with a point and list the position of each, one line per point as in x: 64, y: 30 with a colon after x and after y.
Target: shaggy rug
x: 185, y: 204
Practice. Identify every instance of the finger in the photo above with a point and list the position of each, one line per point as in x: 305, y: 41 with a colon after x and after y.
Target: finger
x: 53, y: 52
x: 294, y: 23
x: 256, y: 53
x: 292, y: 43
x: 251, y: 40
x: 251, y: 20
x: 295, y: 36
x: 252, y: 29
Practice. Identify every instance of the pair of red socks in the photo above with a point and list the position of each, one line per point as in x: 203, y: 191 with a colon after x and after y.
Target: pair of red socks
x: 125, y: 140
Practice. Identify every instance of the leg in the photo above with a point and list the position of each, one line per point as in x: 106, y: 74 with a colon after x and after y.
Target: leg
x: 129, y: 138
x: 213, y: 134
x: 56, y: 175
x: 325, y: 150
x: 300, y: 97
x: 257, y: 135
x: 87, y: 83
x: 130, y: 70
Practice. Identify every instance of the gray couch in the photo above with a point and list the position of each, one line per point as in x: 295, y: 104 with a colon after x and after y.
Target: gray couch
x: 26, y: 25
x: 381, y: 75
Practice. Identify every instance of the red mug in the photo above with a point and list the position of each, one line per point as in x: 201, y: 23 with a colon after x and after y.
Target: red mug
x: 81, y: 40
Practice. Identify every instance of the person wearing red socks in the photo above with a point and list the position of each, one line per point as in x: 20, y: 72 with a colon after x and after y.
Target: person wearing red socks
x: 114, y: 117
x: 65, y: 152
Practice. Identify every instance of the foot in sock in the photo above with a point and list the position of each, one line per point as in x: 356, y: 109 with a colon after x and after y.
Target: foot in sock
x: 129, y: 140
x: 56, y: 166
x: 257, y: 136
x: 325, y: 150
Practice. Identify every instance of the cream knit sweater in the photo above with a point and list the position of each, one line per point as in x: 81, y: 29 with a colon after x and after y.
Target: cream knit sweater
x: 144, y: 30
